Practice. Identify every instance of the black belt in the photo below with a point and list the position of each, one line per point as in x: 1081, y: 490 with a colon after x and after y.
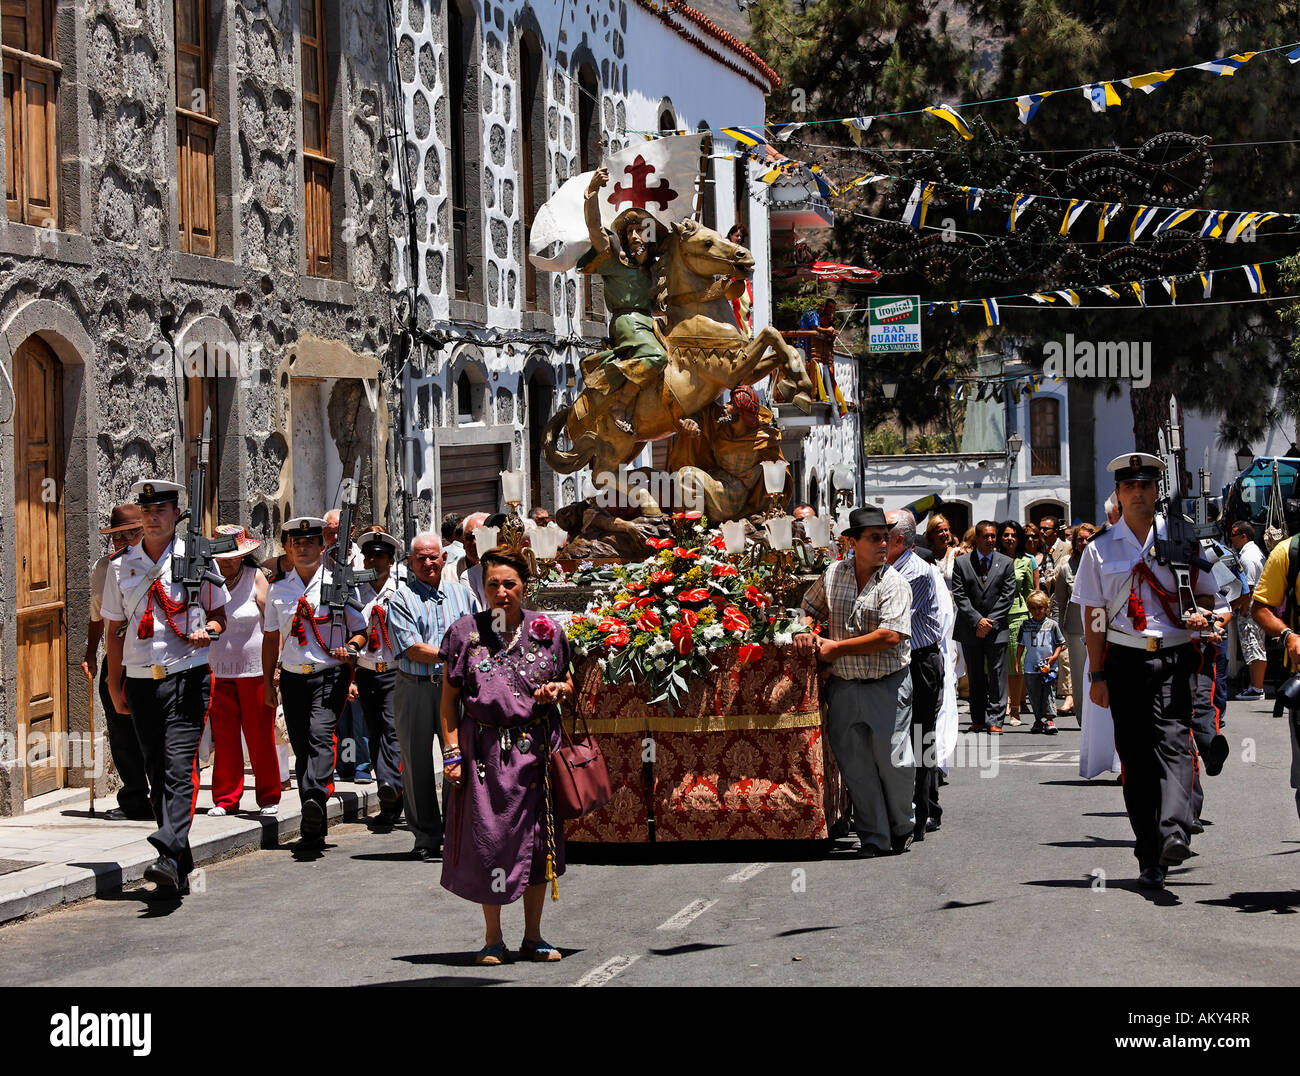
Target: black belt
x: 924, y: 649
x: 423, y: 678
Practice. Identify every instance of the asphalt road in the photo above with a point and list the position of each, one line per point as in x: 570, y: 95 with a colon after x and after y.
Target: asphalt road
x: 1030, y: 882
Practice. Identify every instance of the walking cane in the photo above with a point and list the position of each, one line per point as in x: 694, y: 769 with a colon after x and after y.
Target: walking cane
x: 90, y: 681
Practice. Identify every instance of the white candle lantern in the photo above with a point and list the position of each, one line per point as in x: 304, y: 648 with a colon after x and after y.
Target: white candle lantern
x: 512, y: 487
x: 485, y: 538
x: 779, y: 531
x: 545, y: 542
x: 818, y: 531
x: 733, y: 534
x: 774, y: 475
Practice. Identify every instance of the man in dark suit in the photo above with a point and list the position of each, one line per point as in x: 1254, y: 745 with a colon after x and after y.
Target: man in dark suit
x: 983, y: 585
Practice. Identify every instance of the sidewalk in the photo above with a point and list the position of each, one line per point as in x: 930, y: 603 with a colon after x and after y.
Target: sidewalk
x: 61, y: 855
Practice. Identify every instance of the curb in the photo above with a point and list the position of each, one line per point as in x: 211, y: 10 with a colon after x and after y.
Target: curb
x: 46, y: 886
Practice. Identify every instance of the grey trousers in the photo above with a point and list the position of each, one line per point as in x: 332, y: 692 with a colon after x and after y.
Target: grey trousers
x: 869, y: 726
x: 415, y: 716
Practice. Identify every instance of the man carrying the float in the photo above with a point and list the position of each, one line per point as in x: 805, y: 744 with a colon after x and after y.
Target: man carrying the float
x: 161, y: 637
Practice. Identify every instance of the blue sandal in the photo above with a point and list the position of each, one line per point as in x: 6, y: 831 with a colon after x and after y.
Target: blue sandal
x: 492, y: 955
x: 540, y: 951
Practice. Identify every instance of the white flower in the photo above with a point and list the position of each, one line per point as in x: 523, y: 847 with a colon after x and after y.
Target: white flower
x: 782, y: 638
x: 602, y: 663
x: 671, y: 608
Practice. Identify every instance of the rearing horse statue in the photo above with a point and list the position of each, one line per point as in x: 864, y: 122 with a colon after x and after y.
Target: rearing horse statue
x: 707, y: 354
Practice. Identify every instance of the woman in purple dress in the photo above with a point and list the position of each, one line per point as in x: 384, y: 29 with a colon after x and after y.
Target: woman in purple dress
x: 504, y: 669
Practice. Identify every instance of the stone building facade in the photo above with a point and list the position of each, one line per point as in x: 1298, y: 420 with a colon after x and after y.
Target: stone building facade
x: 503, y: 103
x: 266, y: 267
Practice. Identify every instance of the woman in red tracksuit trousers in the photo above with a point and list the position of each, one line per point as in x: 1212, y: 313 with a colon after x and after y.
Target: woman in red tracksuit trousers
x: 238, y: 704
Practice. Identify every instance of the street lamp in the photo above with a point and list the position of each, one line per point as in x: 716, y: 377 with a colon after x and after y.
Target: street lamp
x: 890, y: 388
x: 1014, y: 443
x: 1245, y: 457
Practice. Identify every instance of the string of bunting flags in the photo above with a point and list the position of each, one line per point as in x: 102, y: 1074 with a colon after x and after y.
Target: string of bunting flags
x: 1140, y: 290
x: 1100, y: 95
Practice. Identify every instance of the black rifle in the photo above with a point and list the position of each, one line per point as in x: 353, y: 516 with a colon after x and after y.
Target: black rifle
x: 340, y: 592
x: 1180, y: 548
x: 193, y: 568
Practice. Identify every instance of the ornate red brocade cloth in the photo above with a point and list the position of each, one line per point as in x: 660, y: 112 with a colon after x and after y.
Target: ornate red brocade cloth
x: 743, y: 757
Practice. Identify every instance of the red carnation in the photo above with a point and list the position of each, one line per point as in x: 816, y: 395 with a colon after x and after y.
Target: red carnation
x: 662, y: 577
x: 753, y: 594
x: 659, y: 543
x: 609, y: 624
x: 750, y: 653
x: 649, y: 621
x: 696, y: 594
x: 622, y: 603
x: 719, y: 570
x: 641, y: 603
x: 621, y: 639
x: 687, y: 554
x: 690, y: 618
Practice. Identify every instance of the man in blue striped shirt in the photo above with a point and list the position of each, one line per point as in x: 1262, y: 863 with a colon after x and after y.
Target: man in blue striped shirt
x: 418, y: 616
x: 926, y: 666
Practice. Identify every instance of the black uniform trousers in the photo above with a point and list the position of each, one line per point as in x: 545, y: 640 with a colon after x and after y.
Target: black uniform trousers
x: 988, y: 688
x: 169, y: 716
x: 312, y: 705
x: 1152, y: 695
x: 1207, y: 711
x: 128, y: 756
x: 375, y: 693
x: 927, y: 691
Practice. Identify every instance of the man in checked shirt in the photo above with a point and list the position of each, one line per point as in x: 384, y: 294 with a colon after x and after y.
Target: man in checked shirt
x: 864, y: 608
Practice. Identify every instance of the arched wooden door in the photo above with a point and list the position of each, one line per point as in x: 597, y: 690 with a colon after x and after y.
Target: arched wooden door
x: 42, y: 623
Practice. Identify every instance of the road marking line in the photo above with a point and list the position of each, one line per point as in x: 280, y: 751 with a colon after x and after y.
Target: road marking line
x: 749, y: 872
x: 601, y: 975
x: 687, y: 915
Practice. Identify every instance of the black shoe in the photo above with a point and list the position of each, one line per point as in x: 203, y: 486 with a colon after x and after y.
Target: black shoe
x: 1197, y: 826
x: 869, y: 851
x: 389, y: 797
x: 163, y: 873
x: 918, y: 834
x: 313, y: 821
x: 426, y: 855
x: 1174, y: 851
x: 1151, y: 878
x: 899, y: 845
x: 1215, y: 755
x: 932, y: 825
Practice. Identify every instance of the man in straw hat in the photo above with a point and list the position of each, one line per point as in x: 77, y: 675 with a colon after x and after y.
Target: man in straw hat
x: 168, y: 680
x: 864, y: 608
x: 125, y: 529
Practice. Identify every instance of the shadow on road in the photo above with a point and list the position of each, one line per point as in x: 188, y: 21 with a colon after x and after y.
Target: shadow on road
x: 697, y: 852
x: 440, y: 980
x: 1282, y: 902
x: 690, y: 947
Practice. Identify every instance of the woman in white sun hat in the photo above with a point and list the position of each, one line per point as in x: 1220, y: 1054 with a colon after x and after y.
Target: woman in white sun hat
x: 238, y: 704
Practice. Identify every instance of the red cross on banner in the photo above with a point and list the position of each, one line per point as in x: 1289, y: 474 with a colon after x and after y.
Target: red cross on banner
x: 638, y: 193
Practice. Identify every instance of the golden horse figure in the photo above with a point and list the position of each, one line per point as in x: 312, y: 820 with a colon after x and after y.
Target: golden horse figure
x: 707, y: 354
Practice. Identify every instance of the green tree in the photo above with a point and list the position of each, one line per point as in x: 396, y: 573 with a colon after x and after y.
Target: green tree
x: 1222, y: 359
x: 840, y: 58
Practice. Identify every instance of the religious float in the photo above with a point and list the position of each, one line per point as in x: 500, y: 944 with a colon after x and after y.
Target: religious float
x: 709, y: 718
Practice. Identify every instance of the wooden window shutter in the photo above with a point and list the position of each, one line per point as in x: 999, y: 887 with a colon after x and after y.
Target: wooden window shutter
x: 318, y: 168
x: 31, y: 76
x: 196, y: 130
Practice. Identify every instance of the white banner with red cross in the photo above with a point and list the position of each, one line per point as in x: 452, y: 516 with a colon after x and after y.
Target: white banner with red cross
x: 659, y: 177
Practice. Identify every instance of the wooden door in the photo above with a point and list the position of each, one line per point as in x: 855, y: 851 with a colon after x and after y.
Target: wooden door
x: 38, y: 503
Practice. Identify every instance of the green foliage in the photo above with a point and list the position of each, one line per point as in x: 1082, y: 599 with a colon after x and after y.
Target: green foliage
x: 1223, y: 359
x: 884, y: 441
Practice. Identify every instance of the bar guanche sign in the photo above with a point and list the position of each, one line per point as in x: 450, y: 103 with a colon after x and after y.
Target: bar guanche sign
x: 894, y: 323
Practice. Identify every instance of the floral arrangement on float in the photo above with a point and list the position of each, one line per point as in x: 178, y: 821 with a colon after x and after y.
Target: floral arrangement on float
x: 667, y: 615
